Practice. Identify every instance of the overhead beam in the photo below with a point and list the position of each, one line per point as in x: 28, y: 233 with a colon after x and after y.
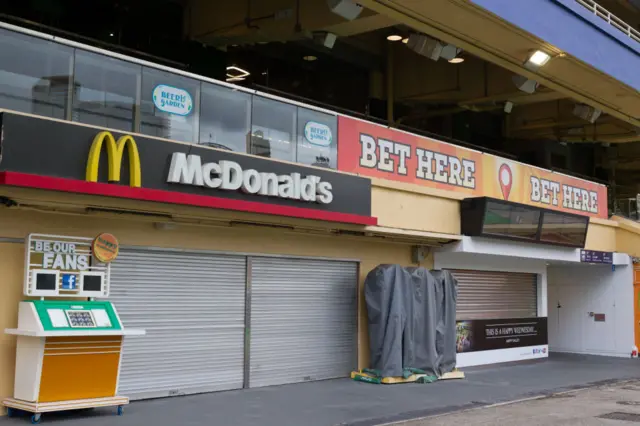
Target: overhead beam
x: 422, y: 17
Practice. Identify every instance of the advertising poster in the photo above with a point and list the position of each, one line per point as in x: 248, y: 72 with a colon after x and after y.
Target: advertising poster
x: 376, y: 151
x: 485, y: 335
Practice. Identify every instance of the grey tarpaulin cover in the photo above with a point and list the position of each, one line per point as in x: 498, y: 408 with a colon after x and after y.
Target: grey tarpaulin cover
x: 412, y: 319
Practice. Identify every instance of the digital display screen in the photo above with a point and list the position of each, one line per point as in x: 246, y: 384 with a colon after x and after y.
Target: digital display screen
x: 562, y: 229
x: 92, y: 283
x: 511, y: 220
x: 46, y: 281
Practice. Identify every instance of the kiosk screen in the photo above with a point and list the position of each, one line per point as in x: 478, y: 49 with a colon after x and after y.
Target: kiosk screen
x: 46, y: 281
x: 92, y: 283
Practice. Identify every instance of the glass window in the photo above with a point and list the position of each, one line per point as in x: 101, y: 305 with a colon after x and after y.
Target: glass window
x: 273, y: 127
x: 511, y: 220
x: 34, y: 75
x: 563, y: 229
x: 169, y: 106
x: 317, y: 138
x: 225, y: 118
x: 106, y: 91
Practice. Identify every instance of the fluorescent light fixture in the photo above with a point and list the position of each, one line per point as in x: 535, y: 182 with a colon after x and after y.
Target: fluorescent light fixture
x: 537, y: 60
x: 394, y: 37
x: 235, y: 73
x: 310, y: 58
x: 456, y: 60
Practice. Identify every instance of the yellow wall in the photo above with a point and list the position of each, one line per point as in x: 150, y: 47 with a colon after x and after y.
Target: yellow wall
x: 18, y: 223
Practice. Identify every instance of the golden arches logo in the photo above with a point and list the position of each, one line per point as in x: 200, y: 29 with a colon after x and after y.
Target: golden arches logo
x: 115, y: 151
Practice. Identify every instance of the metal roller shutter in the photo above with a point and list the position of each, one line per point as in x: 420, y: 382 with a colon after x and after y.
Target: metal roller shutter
x: 303, y: 320
x: 495, y: 295
x: 192, y: 306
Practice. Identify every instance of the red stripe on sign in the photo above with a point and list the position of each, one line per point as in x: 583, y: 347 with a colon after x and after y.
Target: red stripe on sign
x: 25, y: 180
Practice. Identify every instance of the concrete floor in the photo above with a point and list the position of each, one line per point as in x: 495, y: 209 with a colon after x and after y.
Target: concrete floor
x: 344, y: 402
x: 593, y: 406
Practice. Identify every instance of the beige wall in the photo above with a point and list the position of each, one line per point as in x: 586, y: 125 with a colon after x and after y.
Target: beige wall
x: 18, y: 223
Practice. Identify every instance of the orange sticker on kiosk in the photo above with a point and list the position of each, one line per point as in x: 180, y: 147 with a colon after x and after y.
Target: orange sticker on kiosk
x: 105, y: 247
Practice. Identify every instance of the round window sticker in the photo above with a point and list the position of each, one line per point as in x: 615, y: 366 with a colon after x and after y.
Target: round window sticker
x: 105, y: 248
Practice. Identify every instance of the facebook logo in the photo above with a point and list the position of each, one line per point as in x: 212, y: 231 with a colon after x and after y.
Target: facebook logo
x: 69, y: 281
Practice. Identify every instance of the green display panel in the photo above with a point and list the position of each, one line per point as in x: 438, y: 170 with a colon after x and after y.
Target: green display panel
x: 76, y: 316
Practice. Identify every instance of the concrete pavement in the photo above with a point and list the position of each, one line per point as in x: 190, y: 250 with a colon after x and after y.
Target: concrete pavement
x: 616, y: 404
x: 344, y: 402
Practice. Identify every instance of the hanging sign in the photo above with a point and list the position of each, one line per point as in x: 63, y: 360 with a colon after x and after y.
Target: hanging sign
x: 172, y: 100
x: 105, y: 247
x: 592, y: 256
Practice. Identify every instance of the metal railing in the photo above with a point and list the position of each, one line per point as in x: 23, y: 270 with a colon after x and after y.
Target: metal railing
x: 612, y: 19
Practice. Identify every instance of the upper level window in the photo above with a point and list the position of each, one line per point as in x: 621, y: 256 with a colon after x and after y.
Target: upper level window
x: 317, y: 137
x: 169, y: 106
x: 35, y: 75
x: 225, y: 118
x: 106, y: 91
x: 273, y: 129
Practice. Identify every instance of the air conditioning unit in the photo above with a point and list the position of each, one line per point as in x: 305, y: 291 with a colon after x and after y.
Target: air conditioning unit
x: 425, y: 46
x: 587, y: 113
x: 525, y: 84
x: 348, y: 9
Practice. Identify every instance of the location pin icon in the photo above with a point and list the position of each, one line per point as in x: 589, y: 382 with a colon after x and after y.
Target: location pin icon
x: 506, y: 180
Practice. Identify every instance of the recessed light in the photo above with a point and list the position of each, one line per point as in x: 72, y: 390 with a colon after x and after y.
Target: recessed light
x: 456, y: 60
x: 310, y: 58
x: 110, y: 34
x: 405, y: 40
x: 394, y: 37
x: 537, y: 59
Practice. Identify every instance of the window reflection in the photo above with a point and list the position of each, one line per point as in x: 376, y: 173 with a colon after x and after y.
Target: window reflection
x: 317, y: 138
x: 511, y: 220
x: 225, y: 119
x: 34, y: 75
x: 273, y: 129
x: 564, y: 229
x: 176, y: 118
x: 106, y: 91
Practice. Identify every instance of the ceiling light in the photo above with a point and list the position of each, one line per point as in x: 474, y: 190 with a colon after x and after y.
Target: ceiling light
x: 310, y: 58
x: 405, y: 40
x: 394, y: 37
x: 110, y: 34
x: 457, y: 60
x: 235, y: 73
x: 537, y: 59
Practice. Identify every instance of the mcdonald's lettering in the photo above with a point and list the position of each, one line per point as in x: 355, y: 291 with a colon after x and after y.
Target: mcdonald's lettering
x: 115, y: 151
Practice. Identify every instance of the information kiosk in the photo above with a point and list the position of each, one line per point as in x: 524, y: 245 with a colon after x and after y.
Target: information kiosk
x: 68, y: 351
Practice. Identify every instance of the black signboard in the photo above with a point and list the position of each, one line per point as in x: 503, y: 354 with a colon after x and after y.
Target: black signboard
x: 484, y: 335
x: 57, y: 155
x: 592, y: 256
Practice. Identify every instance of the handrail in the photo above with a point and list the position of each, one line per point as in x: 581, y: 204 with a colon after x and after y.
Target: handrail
x: 612, y: 19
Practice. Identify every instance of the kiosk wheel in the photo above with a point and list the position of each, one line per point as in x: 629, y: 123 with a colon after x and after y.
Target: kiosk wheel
x: 35, y: 419
x: 120, y: 410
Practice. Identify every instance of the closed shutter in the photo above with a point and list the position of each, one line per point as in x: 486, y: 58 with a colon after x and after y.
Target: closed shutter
x: 192, y: 307
x: 495, y: 295
x: 303, y: 320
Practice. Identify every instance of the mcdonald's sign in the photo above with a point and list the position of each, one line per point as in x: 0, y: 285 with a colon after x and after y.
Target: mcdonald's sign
x: 115, y: 152
x: 63, y: 156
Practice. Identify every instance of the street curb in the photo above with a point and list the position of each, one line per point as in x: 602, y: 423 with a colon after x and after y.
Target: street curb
x: 414, y: 416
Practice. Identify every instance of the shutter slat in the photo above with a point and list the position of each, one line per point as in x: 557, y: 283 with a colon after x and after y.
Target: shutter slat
x: 192, y: 307
x: 303, y: 320
x: 495, y: 295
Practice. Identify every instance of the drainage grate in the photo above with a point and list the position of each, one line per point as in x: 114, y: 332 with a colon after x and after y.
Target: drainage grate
x: 628, y: 402
x: 628, y: 417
